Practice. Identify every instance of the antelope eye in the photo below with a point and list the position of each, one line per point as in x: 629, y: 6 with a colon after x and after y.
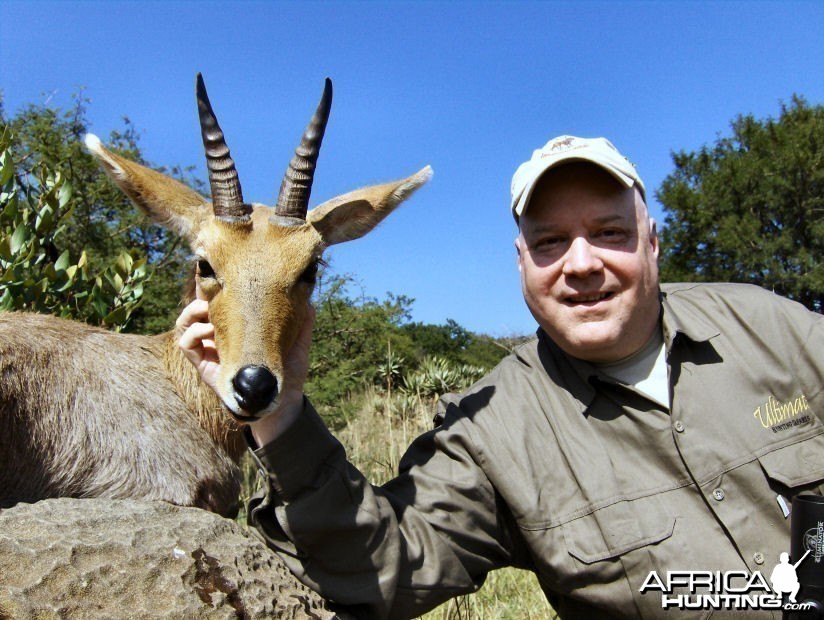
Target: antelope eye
x: 310, y: 274
x: 204, y: 269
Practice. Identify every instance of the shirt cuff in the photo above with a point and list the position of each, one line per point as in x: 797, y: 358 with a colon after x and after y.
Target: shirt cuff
x: 292, y: 461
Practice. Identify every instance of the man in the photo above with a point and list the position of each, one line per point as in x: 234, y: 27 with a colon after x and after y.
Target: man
x: 644, y: 429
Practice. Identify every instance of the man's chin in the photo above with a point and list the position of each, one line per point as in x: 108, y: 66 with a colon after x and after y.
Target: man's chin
x: 592, y: 344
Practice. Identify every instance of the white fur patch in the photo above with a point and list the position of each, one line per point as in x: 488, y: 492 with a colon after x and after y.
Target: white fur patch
x: 93, y: 143
x: 95, y: 147
x: 414, y: 182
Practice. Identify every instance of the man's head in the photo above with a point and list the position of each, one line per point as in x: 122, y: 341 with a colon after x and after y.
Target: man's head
x: 587, y: 249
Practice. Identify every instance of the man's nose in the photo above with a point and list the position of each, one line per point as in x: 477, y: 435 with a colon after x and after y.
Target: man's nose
x: 581, y: 259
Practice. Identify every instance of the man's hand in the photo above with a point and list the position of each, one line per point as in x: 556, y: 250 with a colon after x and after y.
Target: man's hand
x: 290, y: 399
x: 196, y: 340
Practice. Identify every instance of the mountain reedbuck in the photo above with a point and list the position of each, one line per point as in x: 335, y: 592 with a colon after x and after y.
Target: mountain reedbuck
x: 89, y: 413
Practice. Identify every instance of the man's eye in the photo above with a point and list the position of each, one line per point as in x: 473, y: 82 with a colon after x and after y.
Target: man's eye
x: 612, y: 234
x: 204, y: 269
x: 548, y: 243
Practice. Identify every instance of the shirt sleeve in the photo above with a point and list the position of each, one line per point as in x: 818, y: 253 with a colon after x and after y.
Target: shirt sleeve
x: 395, y: 551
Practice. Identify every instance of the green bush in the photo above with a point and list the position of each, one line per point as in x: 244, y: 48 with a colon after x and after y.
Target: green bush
x: 104, y: 224
x: 437, y: 376
x: 361, y: 343
x: 36, y: 274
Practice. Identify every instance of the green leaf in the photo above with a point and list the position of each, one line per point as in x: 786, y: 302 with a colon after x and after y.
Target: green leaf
x: 99, y: 305
x: 123, y: 264
x: 116, y: 317
x: 10, y: 209
x: 65, y: 194
x: 5, y: 248
x: 6, y: 300
x: 45, y: 219
x: 64, y: 216
x: 62, y: 262
x: 6, y: 167
x: 115, y: 281
x: 19, y: 238
x: 49, y: 272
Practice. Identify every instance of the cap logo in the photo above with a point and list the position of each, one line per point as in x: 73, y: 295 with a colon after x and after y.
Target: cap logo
x: 562, y: 143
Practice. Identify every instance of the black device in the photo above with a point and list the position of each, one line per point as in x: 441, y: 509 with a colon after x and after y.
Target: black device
x: 807, y: 535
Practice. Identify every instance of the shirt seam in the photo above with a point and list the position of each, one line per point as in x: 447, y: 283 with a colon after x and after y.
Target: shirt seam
x: 606, y: 503
x: 755, y: 456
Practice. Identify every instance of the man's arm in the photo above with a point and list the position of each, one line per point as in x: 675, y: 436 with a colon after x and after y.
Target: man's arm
x: 392, y: 551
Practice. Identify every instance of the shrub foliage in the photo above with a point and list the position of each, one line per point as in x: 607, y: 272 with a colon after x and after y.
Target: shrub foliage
x: 36, y: 272
x: 750, y: 207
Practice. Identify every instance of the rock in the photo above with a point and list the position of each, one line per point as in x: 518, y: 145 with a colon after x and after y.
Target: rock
x: 98, y: 558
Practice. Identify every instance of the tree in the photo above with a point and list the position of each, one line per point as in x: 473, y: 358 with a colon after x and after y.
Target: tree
x: 36, y: 274
x: 447, y: 341
x: 359, y: 341
x: 750, y: 208
x: 350, y: 341
x: 456, y: 344
x: 104, y: 224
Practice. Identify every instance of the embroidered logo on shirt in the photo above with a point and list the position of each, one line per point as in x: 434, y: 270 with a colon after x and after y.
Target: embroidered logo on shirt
x: 778, y: 416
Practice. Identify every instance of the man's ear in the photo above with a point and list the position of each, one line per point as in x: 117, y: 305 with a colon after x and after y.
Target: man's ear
x: 518, y: 241
x: 354, y: 214
x: 653, y: 237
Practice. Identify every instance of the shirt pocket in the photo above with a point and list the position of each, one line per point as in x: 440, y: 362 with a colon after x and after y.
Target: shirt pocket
x: 798, y: 466
x: 614, y: 530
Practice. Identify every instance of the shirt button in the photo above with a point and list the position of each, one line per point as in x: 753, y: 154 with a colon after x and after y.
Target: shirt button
x: 718, y: 494
x: 758, y: 557
x: 679, y: 426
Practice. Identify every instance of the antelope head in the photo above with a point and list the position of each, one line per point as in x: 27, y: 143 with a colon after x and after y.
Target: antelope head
x: 255, y: 264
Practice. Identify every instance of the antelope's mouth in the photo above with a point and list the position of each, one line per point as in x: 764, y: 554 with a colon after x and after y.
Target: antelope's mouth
x: 242, y: 415
x: 243, y: 418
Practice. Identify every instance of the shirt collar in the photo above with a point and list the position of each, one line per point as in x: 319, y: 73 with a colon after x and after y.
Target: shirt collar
x: 677, y: 317
x: 575, y: 373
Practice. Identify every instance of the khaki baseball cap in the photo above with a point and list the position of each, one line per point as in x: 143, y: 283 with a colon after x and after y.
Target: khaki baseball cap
x: 565, y: 149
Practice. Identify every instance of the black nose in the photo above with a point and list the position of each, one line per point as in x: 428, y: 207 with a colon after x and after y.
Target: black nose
x: 255, y: 387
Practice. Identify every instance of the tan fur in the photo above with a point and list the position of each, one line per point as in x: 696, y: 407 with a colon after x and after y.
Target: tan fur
x: 89, y: 413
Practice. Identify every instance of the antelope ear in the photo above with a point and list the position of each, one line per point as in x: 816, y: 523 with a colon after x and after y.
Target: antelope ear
x: 354, y: 214
x: 166, y: 201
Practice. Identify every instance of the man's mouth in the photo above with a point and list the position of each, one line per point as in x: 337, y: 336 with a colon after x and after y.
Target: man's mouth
x: 587, y: 298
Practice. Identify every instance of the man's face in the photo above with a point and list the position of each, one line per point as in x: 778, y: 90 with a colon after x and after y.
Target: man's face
x: 588, y: 257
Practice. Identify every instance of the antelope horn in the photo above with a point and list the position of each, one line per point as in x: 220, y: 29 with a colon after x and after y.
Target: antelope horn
x: 293, y: 198
x: 227, y: 198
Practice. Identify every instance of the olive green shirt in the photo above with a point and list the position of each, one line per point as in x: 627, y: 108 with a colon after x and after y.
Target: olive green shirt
x: 549, y: 465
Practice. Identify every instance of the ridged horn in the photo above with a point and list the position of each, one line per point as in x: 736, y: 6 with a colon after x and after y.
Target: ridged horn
x: 293, y: 198
x: 227, y: 197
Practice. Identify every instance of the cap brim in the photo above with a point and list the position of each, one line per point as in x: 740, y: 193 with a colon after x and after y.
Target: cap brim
x: 541, y: 167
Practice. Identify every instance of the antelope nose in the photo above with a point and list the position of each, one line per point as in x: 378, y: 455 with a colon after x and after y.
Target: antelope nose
x: 255, y: 387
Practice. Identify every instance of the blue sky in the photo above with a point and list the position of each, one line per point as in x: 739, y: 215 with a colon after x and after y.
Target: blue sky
x: 468, y: 87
